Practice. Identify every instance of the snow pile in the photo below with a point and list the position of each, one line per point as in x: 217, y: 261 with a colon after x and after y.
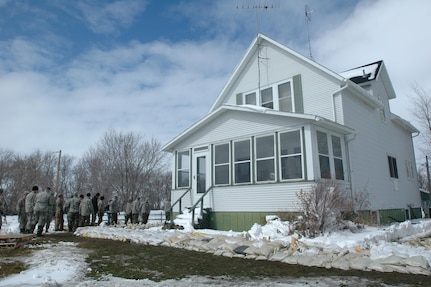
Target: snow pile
x: 403, y: 247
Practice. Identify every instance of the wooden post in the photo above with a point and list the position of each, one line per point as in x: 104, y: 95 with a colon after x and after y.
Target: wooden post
x: 58, y: 173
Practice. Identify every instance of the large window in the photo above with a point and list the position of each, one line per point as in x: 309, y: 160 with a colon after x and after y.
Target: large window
x: 330, y: 156
x: 242, y: 161
x: 221, y: 164
x: 291, y: 155
x: 393, y: 169
x: 265, y: 159
x: 183, y: 169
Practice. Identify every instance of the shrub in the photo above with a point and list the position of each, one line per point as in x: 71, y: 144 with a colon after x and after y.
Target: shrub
x: 322, y: 207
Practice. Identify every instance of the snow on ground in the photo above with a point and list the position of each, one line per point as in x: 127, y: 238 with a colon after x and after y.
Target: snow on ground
x: 63, y: 264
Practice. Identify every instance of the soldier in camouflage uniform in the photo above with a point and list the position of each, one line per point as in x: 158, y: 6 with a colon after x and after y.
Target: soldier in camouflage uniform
x: 85, y: 210
x: 72, y: 209
x: 22, y: 216
x: 51, y: 212
x: 30, y: 201
x: 42, y: 208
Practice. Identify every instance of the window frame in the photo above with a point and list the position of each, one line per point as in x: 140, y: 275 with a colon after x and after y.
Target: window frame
x: 258, y: 160
x: 257, y: 93
x: 331, y: 158
x: 291, y: 155
x: 183, y: 169
x: 228, y: 164
x: 240, y: 162
x: 393, y: 167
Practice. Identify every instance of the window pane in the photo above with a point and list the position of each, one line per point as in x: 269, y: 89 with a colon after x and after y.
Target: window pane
x: 183, y: 178
x: 291, y: 167
x: 250, y: 99
x: 265, y: 147
x: 285, y: 97
x: 393, y: 169
x: 265, y: 170
x: 183, y: 160
x: 336, y: 146
x: 325, y: 171
x: 242, y: 150
x: 266, y: 98
x: 242, y: 172
x: 221, y: 153
x: 339, y: 171
x: 239, y: 99
x: 290, y: 143
x: 221, y: 174
x: 322, y: 143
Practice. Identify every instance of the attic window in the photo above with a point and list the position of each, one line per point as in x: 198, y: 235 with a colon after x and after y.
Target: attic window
x: 283, y: 96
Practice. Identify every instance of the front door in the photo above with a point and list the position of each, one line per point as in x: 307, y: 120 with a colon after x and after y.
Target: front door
x: 200, y: 170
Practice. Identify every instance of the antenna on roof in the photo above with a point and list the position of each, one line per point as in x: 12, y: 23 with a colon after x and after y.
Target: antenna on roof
x: 308, y: 19
x: 258, y: 7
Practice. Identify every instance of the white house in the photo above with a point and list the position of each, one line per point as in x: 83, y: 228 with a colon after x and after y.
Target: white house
x: 283, y: 122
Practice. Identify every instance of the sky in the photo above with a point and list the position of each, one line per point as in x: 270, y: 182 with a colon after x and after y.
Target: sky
x: 64, y: 263
x: 72, y: 70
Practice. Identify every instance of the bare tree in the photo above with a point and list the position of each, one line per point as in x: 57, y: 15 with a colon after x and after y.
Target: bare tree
x: 122, y: 164
x: 422, y: 113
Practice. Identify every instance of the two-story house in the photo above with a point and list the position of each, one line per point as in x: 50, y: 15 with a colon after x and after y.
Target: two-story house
x: 283, y: 122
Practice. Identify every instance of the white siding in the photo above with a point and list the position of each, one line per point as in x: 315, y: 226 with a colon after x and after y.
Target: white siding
x: 278, y: 66
x: 374, y: 141
x: 236, y: 125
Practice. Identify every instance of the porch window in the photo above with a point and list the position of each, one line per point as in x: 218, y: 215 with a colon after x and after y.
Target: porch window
x: 330, y: 156
x: 221, y: 164
x: 393, y: 169
x: 291, y: 155
x: 338, y: 157
x: 323, y: 149
x: 183, y: 169
x: 265, y: 158
x: 242, y: 161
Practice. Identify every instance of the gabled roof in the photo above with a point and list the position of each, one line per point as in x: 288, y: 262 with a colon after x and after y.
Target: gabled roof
x: 319, y: 121
x: 364, y: 73
x: 249, y: 55
x: 371, y: 72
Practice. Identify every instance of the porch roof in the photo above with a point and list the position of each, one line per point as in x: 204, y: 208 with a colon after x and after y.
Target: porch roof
x: 319, y: 121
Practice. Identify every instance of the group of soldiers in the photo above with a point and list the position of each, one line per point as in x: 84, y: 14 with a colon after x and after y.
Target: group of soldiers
x: 137, y: 211
x: 37, y: 208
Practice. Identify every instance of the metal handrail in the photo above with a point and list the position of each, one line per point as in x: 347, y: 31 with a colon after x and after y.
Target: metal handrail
x: 170, y: 210
x: 201, y: 201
